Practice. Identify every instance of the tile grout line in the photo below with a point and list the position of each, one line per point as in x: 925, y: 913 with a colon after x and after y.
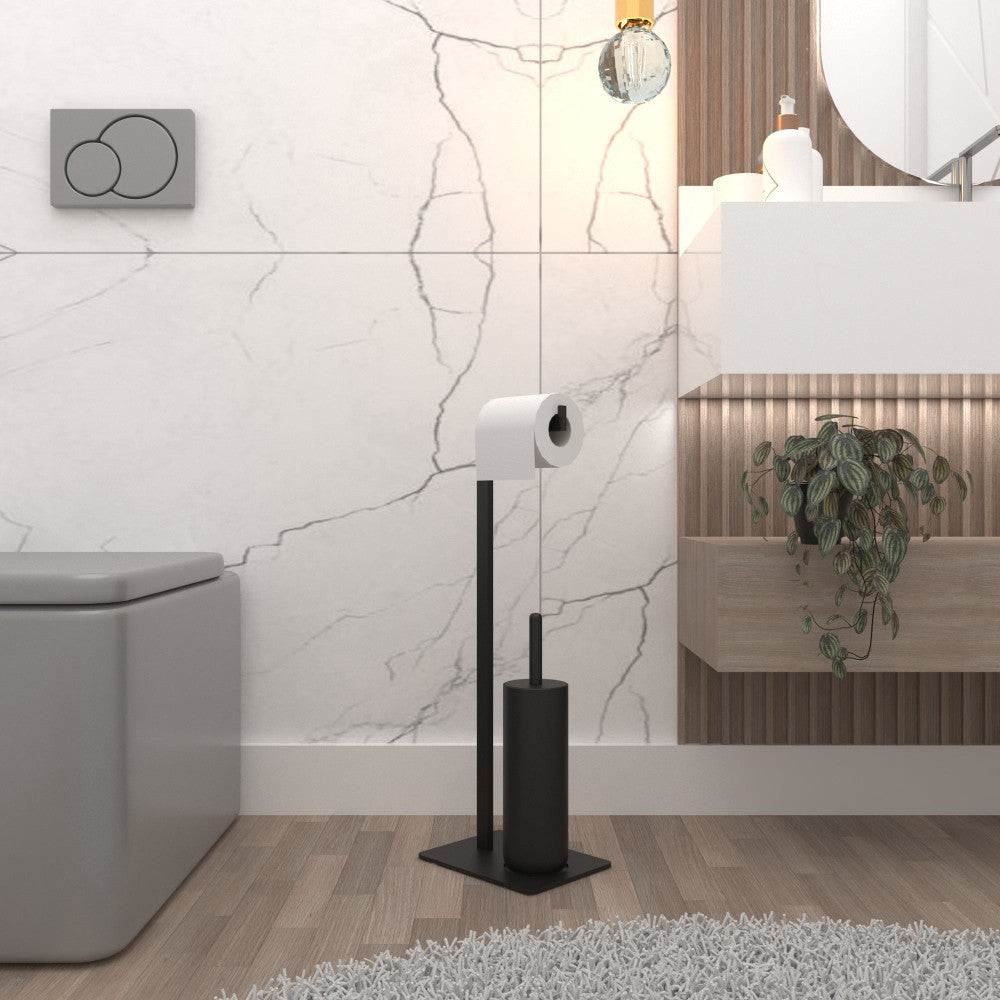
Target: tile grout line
x: 335, y: 253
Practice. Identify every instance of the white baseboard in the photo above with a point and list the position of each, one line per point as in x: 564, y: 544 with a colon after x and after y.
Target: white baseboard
x: 306, y: 779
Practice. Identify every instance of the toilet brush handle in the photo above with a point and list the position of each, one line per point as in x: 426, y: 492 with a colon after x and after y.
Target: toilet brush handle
x: 535, y: 650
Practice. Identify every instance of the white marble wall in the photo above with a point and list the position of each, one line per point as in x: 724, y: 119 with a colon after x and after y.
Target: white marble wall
x: 289, y: 373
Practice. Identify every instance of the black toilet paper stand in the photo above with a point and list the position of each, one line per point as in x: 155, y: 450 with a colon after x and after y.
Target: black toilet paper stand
x: 534, y: 769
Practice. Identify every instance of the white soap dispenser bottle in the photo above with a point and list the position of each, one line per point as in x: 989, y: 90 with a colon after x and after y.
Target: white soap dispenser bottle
x: 788, y: 160
x: 817, y: 167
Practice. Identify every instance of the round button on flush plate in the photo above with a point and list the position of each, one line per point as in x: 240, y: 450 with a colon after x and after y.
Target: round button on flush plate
x: 93, y: 168
x: 134, y: 157
x: 148, y: 154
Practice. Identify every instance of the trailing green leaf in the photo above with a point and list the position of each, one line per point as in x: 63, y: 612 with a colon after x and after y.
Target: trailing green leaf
x: 920, y: 479
x: 912, y: 439
x: 800, y: 471
x: 829, y: 645
x: 887, y: 449
x: 827, y: 432
x: 940, y: 470
x: 827, y: 534
x: 791, y: 499
x: 792, y: 543
x: 839, y: 669
x: 902, y: 466
x: 893, y: 545
x: 895, y: 517
x: 847, y: 446
x: 938, y: 505
x: 857, y: 514
x: 806, y: 624
x: 781, y: 468
x: 801, y: 447
x: 963, y: 489
x: 860, y: 622
x: 842, y: 562
x: 819, y: 486
x: 887, y: 610
x: 854, y: 476
x: 761, y: 452
x: 869, y: 440
x: 838, y: 598
x: 834, y: 416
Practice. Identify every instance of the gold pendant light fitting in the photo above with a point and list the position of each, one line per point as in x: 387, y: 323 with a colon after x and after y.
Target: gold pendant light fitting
x: 633, y: 12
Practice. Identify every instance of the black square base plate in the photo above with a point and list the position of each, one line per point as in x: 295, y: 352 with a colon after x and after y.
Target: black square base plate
x: 466, y: 857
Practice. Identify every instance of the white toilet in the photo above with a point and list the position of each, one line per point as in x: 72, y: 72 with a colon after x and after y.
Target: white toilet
x: 119, y: 741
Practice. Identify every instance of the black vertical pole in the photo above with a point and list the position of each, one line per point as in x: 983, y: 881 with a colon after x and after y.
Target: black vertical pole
x: 484, y: 664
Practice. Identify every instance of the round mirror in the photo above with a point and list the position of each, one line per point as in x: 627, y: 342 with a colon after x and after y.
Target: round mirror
x: 917, y: 81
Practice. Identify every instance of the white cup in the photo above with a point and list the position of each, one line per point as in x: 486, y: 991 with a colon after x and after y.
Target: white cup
x: 737, y: 187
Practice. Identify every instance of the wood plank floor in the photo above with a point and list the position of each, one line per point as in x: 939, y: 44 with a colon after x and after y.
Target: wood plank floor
x: 286, y: 892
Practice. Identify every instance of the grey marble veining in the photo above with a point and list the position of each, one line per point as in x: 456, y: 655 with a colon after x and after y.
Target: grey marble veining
x: 299, y: 392
x: 609, y: 533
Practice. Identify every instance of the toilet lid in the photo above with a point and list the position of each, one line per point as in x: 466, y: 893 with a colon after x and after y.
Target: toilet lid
x: 100, y: 577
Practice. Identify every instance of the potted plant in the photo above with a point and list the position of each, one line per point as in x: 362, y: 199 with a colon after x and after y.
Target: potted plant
x: 851, y: 481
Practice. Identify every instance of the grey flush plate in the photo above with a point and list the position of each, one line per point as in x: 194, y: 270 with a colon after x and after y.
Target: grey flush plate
x: 122, y: 158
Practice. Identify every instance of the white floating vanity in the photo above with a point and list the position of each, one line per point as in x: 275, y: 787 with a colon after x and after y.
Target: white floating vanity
x: 904, y: 283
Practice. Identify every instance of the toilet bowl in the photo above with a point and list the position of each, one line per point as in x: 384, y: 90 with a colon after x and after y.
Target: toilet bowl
x: 119, y: 741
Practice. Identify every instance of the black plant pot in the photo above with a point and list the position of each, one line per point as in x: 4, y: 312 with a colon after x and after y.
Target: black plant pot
x: 807, y: 536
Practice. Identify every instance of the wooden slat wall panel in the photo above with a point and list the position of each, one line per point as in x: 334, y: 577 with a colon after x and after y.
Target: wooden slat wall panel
x: 735, y: 60
x: 717, y: 435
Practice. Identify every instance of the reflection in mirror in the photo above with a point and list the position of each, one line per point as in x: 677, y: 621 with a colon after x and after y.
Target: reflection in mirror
x: 917, y: 81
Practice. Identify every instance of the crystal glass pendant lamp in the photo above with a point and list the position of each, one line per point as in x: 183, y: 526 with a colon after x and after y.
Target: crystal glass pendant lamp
x: 635, y: 64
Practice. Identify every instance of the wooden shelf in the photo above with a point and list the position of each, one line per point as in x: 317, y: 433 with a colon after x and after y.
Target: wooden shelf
x: 739, y: 599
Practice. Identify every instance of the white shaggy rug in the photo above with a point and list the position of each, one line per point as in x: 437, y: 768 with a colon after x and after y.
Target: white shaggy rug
x: 694, y: 958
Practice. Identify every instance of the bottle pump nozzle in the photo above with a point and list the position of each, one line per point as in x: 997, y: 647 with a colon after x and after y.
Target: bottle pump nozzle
x: 787, y: 118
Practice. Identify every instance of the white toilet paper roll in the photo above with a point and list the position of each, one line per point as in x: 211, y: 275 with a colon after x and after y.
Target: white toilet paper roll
x: 516, y: 435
